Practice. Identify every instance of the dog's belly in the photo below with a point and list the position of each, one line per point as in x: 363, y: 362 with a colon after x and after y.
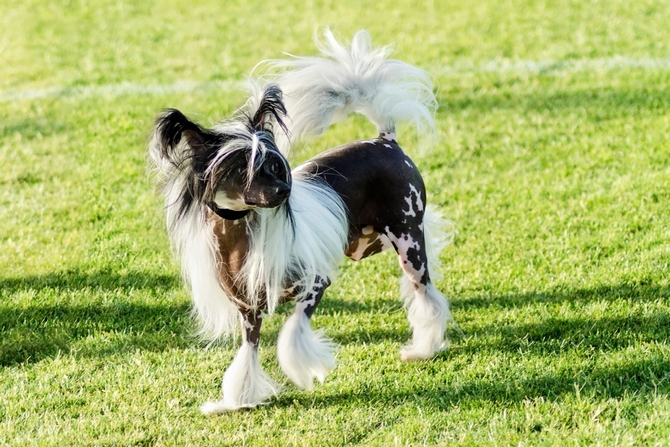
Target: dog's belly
x: 367, y: 244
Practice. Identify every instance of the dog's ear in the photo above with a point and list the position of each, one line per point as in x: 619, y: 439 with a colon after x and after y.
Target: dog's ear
x: 271, y: 110
x: 180, y: 150
x: 171, y: 130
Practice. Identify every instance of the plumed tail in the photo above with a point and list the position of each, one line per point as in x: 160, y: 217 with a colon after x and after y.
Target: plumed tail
x: 319, y: 91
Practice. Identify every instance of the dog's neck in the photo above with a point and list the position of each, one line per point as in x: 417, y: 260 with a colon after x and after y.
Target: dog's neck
x: 227, y: 214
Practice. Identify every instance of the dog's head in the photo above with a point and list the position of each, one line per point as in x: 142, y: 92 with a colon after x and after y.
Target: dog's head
x: 235, y: 165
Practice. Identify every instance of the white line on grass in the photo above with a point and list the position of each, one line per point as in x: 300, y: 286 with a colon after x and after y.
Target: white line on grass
x: 115, y: 90
x: 549, y: 66
x: 459, y: 68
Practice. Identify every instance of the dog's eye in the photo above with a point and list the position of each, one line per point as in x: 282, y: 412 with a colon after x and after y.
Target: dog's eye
x: 240, y: 170
x: 274, y: 167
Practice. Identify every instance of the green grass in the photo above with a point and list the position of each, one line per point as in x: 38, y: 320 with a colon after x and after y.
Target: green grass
x: 558, y: 179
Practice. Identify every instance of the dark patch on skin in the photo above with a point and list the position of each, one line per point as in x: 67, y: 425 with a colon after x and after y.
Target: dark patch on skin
x: 413, y: 254
x: 413, y: 199
x: 253, y: 321
x: 318, y: 289
x: 372, y: 243
x: 353, y: 247
x: 317, y: 293
x: 418, y: 260
x: 375, y: 247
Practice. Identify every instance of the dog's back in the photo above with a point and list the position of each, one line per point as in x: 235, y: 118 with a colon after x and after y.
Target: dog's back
x: 372, y: 177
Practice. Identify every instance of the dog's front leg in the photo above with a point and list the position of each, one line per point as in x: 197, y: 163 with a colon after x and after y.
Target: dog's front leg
x: 303, y: 354
x: 245, y: 384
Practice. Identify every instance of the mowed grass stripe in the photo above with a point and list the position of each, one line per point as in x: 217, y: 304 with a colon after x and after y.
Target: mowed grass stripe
x: 461, y: 67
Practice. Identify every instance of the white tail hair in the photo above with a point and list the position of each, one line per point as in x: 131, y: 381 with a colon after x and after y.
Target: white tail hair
x: 319, y: 91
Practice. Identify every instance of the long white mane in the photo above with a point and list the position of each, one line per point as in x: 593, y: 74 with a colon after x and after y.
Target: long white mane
x: 292, y: 249
x: 287, y: 249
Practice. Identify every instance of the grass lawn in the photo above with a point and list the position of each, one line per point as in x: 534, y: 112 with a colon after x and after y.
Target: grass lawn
x: 553, y: 160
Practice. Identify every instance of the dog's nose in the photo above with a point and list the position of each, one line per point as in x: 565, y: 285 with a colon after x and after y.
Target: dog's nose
x: 283, y: 191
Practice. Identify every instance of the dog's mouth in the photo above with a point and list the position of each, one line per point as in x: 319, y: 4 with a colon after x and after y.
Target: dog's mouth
x: 267, y: 199
x: 231, y: 202
x: 253, y: 198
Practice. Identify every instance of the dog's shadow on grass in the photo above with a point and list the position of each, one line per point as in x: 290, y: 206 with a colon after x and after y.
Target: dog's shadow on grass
x: 611, y: 334
x: 613, y: 327
x: 96, y: 314
x: 115, y: 322
x: 642, y: 378
x: 89, y: 314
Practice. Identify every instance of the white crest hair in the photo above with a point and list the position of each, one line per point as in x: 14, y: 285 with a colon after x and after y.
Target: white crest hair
x: 254, y: 141
x: 319, y: 91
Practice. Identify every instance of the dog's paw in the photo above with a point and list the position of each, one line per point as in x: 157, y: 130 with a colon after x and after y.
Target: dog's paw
x: 304, y: 355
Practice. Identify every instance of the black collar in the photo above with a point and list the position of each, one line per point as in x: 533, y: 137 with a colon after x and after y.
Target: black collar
x: 227, y: 214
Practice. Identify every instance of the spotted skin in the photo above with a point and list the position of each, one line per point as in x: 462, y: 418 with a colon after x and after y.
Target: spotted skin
x: 252, y: 320
x: 385, y: 196
x: 367, y: 244
x: 309, y: 303
x: 412, y: 257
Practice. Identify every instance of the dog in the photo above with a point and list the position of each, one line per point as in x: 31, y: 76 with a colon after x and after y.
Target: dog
x: 252, y: 234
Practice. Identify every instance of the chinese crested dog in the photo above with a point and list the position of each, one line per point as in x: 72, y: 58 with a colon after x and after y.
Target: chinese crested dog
x: 252, y: 234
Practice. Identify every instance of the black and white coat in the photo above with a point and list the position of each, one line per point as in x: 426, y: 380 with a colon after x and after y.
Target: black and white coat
x: 252, y: 234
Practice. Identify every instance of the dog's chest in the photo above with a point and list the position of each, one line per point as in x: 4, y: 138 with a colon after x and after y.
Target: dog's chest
x: 232, y: 243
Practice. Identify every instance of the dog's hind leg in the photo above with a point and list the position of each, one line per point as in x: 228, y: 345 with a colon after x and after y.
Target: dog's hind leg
x: 427, y: 309
x: 245, y: 384
x: 303, y: 354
